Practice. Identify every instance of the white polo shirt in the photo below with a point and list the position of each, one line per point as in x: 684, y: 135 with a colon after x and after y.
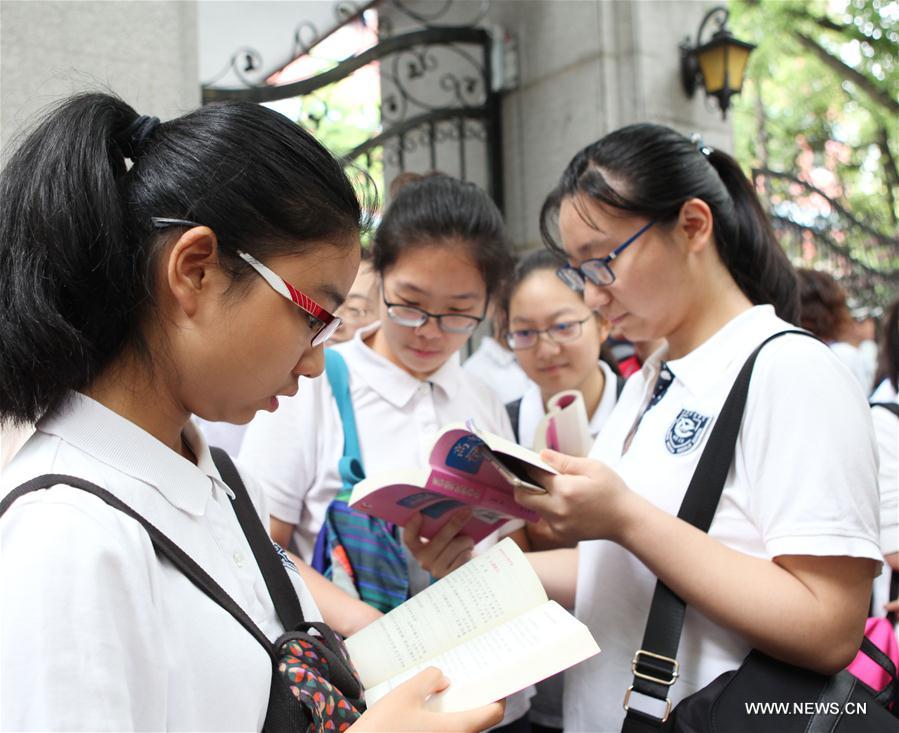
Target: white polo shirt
x: 294, y: 452
x: 531, y: 411
x: 96, y: 632
x: 498, y: 369
x: 804, y: 482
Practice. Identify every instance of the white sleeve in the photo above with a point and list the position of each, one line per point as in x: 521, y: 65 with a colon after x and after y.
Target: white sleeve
x: 809, y: 451
x: 79, y: 626
x: 886, y: 427
x: 293, y: 454
x: 282, y: 450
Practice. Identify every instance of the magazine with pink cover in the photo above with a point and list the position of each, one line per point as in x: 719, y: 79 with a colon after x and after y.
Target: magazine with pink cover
x: 467, y: 466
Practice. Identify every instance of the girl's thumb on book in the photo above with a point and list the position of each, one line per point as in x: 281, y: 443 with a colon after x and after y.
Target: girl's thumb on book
x: 432, y: 680
x: 562, y: 462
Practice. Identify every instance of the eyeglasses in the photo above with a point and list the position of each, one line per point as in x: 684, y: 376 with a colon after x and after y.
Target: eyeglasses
x: 599, y: 270
x: 560, y: 333
x: 411, y: 316
x: 322, y: 323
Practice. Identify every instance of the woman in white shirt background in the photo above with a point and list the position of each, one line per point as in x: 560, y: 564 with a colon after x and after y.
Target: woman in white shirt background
x: 669, y: 240
x: 824, y: 311
x: 133, y: 297
x: 440, y: 252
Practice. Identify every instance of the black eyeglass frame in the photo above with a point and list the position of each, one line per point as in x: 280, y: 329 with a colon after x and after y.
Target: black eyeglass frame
x: 577, y: 277
x: 391, y: 314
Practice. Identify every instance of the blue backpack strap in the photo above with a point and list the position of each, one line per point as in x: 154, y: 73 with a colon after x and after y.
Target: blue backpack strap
x: 359, y: 553
x: 351, y: 470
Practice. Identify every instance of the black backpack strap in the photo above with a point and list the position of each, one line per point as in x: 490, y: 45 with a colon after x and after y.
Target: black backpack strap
x: 514, y: 410
x: 891, y: 406
x: 282, y: 714
x: 161, y: 543
x: 655, y: 664
x: 619, y: 385
x: 281, y: 590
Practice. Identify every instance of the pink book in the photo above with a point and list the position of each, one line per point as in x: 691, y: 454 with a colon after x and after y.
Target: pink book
x: 467, y: 466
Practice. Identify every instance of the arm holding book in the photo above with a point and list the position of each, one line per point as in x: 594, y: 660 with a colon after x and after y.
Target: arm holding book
x: 339, y: 610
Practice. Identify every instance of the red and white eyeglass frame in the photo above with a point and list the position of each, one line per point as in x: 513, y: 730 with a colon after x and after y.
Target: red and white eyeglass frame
x: 329, y: 322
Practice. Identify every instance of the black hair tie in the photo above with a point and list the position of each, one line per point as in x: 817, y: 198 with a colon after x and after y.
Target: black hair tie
x: 131, y: 140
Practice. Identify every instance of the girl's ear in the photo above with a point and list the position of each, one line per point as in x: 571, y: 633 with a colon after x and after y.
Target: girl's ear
x: 696, y: 224
x: 190, y: 262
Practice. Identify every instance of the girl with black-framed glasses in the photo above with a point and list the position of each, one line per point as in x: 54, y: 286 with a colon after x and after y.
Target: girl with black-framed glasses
x: 440, y: 253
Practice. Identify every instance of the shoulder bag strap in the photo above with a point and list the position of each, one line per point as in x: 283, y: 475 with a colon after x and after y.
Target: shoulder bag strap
x: 161, y: 543
x: 655, y: 663
x: 281, y: 590
x: 282, y: 712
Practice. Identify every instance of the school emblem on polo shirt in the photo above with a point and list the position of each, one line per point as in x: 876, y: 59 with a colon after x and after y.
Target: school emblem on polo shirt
x: 685, y: 432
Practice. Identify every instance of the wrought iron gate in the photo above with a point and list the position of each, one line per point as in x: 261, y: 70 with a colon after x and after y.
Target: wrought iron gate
x: 439, y: 103
x: 817, y: 231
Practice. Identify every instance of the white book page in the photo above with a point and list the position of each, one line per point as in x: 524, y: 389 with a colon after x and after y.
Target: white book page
x: 488, y: 590
x: 503, y: 660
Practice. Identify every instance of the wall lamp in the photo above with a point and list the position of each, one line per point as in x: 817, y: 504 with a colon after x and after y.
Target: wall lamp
x: 719, y: 63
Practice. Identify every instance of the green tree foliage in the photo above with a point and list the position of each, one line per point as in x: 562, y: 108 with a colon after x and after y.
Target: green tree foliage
x: 821, y: 102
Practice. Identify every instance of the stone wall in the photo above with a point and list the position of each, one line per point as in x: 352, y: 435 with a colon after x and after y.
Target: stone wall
x: 144, y: 51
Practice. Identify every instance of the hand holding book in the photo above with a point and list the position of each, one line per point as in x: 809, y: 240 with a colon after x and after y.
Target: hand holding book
x: 488, y: 626
x: 467, y: 468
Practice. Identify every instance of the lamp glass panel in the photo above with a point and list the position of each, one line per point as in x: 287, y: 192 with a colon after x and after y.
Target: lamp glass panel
x: 737, y: 57
x: 711, y: 63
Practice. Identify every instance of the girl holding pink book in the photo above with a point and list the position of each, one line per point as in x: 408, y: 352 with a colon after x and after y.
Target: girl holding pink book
x: 668, y: 239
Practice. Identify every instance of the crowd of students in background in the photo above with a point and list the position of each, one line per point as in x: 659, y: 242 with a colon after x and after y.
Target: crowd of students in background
x: 656, y: 248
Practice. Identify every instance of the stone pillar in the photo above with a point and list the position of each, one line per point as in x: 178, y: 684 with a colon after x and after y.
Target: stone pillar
x: 587, y: 67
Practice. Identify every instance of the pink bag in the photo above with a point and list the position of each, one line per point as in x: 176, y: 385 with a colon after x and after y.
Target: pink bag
x: 879, y: 631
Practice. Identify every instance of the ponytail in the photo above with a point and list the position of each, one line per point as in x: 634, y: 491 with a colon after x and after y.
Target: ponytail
x: 66, y: 284
x: 752, y: 254
x: 78, y: 251
x: 656, y: 170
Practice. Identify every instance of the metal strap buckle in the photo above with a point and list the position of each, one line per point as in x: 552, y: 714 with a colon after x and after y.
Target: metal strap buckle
x: 674, y: 672
x: 627, y: 697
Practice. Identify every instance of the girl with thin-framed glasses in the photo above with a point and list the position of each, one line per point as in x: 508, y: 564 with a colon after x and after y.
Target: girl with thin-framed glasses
x: 557, y: 340
x: 440, y: 253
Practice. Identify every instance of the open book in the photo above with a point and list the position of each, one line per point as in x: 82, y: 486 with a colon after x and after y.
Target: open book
x: 565, y: 426
x: 467, y: 466
x: 487, y: 626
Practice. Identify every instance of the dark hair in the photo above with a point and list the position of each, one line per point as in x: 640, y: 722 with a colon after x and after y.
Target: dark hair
x: 529, y: 263
x: 888, y: 354
x: 823, y: 309
x: 77, y: 245
x: 656, y: 170
x: 438, y: 209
